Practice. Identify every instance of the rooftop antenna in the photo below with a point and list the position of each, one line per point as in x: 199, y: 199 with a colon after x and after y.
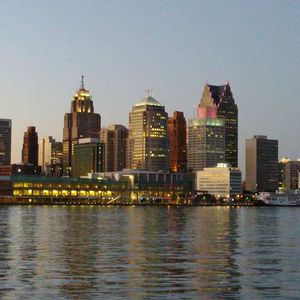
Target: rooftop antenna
x: 148, y: 92
x: 82, y: 82
x: 194, y: 111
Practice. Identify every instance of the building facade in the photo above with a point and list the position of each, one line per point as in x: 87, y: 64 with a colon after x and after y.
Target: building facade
x: 88, y: 157
x: 30, y: 148
x: 114, y: 138
x: 261, y: 164
x: 221, y: 181
x: 5, y: 141
x: 81, y: 122
x: 218, y: 102
x: 288, y: 174
x: 177, y: 142
x: 206, y: 143
x: 147, y: 144
x: 50, y: 156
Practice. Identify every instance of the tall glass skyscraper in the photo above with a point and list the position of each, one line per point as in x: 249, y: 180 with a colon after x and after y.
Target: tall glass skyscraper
x: 5, y: 142
x: 206, y: 143
x: 147, y: 142
x: 218, y: 101
x: 81, y: 122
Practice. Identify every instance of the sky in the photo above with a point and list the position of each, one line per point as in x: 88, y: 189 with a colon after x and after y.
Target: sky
x: 172, y: 47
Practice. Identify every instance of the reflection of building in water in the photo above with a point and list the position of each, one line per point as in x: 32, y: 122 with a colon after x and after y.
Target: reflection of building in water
x: 214, y: 243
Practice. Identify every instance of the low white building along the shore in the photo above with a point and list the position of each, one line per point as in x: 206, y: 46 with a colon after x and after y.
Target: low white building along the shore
x: 220, y: 181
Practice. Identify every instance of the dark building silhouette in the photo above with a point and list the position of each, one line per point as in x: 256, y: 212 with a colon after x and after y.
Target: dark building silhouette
x: 218, y: 101
x: 20, y: 169
x: 261, y: 164
x: 81, y: 122
x: 5, y: 141
x: 30, y: 149
x: 177, y: 142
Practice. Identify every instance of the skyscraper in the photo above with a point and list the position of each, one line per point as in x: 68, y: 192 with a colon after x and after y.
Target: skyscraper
x: 81, y: 122
x: 177, y: 142
x: 218, y: 101
x: 147, y: 140
x: 50, y: 156
x: 261, y: 164
x: 206, y: 143
x: 114, y: 138
x: 30, y: 147
x: 5, y: 141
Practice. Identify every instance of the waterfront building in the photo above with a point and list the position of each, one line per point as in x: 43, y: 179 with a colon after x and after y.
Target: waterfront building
x: 152, y: 184
x: 30, y: 147
x: 147, y: 143
x: 261, y: 164
x: 88, y: 157
x: 114, y: 138
x: 206, y: 143
x: 60, y: 190
x: 50, y: 156
x: 5, y: 141
x: 220, y: 181
x: 81, y: 122
x: 288, y: 172
x: 177, y: 142
x: 218, y: 102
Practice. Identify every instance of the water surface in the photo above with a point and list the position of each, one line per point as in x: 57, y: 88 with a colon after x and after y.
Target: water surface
x: 55, y: 252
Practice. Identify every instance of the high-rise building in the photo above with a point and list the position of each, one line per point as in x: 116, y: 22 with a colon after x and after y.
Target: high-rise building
x: 177, y: 142
x: 5, y: 141
x: 50, y: 156
x: 261, y: 164
x: 288, y: 174
x: 30, y: 148
x: 147, y: 140
x: 81, y: 122
x: 114, y: 138
x: 218, y: 102
x: 205, y: 143
x: 88, y: 157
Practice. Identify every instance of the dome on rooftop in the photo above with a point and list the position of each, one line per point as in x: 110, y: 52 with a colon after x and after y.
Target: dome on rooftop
x: 148, y: 100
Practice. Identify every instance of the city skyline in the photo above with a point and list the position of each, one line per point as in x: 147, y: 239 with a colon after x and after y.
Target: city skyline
x: 172, y: 48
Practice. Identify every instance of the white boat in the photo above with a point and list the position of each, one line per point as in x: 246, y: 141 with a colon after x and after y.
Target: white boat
x: 280, y: 199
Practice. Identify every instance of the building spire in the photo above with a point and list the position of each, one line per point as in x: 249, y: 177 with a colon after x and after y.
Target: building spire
x: 82, y: 82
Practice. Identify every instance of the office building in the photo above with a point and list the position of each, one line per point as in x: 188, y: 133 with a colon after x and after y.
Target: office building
x: 288, y: 174
x: 88, y: 157
x: 177, y: 142
x: 114, y: 138
x: 206, y: 143
x: 221, y: 181
x: 50, y: 156
x: 81, y: 122
x: 261, y: 164
x: 147, y: 141
x: 218, y: 102
x: 30, y: 147
x: 5, y: 141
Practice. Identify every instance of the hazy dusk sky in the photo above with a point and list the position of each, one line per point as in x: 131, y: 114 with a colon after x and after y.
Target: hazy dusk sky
x: 170, y: 46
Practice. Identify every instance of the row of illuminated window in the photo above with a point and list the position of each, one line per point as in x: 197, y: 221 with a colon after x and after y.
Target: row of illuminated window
x: 56, y: 193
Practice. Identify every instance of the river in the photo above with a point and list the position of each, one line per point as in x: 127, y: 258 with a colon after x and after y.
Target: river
x: 102, y: 252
